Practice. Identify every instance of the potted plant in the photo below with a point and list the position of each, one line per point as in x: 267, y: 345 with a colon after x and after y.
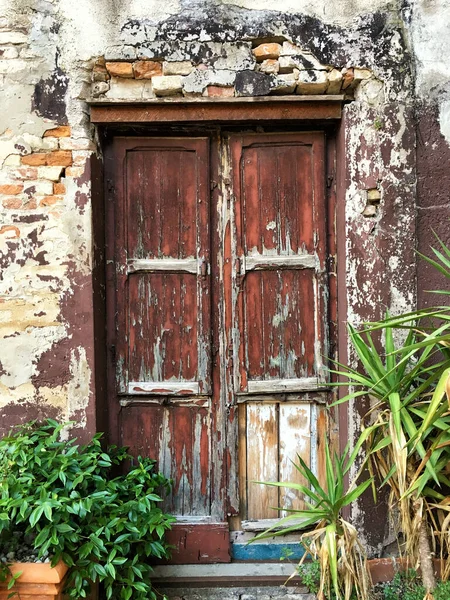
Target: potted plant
x: 65, y: 504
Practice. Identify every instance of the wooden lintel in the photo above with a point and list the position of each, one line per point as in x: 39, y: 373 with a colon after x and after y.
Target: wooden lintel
x: 239, y: 109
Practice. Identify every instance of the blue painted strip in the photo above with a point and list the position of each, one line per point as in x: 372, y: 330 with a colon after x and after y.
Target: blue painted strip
x: 292, y: 551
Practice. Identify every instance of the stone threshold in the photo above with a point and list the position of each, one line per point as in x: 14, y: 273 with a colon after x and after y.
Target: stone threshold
x: 225, y: 574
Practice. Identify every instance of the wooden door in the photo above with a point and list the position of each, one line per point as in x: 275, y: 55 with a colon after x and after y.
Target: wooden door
x: 217, y: 303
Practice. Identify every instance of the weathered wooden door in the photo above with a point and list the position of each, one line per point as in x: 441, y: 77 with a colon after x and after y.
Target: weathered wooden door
x: 218, y: 290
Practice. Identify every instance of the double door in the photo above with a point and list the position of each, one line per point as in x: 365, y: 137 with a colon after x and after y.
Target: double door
x: 218, y: 303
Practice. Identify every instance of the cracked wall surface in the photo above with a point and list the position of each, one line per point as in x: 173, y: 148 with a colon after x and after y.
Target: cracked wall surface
x: 50, y: 52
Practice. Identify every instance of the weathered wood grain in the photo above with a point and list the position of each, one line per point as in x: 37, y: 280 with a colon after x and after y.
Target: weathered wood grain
x: 262, y: 460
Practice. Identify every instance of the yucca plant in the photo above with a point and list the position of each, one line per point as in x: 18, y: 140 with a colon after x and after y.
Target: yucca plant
x: 406, y: 431
x: 327, y: 537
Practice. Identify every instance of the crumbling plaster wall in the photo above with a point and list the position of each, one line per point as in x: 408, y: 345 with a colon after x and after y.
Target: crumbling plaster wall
x: 47, y: 52
x: 430, y: 39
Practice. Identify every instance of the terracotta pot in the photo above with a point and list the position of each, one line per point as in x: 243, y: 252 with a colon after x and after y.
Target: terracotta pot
x: 38, y: 581
x: 384, y: 569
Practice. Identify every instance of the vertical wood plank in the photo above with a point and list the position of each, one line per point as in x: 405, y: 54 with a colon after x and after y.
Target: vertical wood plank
x: 295, y: 439
x: 242, y: 449
x: 262, y: 459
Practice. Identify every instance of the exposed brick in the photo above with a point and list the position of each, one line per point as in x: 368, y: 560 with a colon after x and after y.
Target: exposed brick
x: 18, y: 203
x: 59, y: 188
x: 264, y: 51
x: 11, y: 189
x: 146, y: 69
x: 37, y: 159
x: 24, y: 173
x: 11, y: 231
x: 59, y: 158
x: 120, y: 69
x: 50, y: 200
x: 12, y: 202
x: 59, y: 132
x: 213, y: 91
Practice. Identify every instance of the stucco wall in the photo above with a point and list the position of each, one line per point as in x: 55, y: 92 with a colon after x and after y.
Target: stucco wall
x: 47, y: 52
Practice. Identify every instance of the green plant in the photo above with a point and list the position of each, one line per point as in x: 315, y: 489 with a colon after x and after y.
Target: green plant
x: 404, y: 586
x: 66, y: 500
x: 407, y: 430
x: 332, y: 541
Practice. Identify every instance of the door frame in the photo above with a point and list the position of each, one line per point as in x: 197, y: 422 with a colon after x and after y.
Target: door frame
x: 274, y: 115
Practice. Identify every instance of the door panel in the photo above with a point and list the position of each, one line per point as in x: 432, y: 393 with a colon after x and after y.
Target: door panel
x: 278, y: 181
x: 279, y: 305
x: 178, y: 437
x: 219, y: 310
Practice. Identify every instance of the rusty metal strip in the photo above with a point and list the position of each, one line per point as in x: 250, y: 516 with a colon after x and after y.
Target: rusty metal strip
x: 270, y: 110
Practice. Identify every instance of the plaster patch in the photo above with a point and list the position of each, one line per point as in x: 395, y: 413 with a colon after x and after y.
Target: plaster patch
x: 444, y: 119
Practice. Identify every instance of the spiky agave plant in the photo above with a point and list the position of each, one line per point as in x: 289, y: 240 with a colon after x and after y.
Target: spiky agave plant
x: 327, y: 536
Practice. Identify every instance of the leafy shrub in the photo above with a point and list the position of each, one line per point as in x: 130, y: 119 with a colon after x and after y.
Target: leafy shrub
x: 67, y: 501
x: 404, y: 586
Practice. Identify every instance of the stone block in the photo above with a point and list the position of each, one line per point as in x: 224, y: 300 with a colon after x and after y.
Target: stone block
x: 312, y: 82
x: 76, y: 144
x: 198, y: 80
x: 252, y: 83
x: 116, y: 53
x: 177, y: 67
x: 51, y: 173
x: 120, y: 69
x: 99, y: 73
x: 290, y: 49
x: 146, y: 69
x: 265, y: 51
x: 9, y: 52
x: 360, y: 74
x: 284, y: 84
x: 38, y: 188
x: 130, y: 89
x: 270, y: 65
x: 347, y: 78
x: 304, y: 62
x: 37, y: 143
x: 99, y: 88
x: 167, y: 85
x: 236, y: 56
x: 215, y: 91
x: 12, y: 37
x: 334, y: 82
